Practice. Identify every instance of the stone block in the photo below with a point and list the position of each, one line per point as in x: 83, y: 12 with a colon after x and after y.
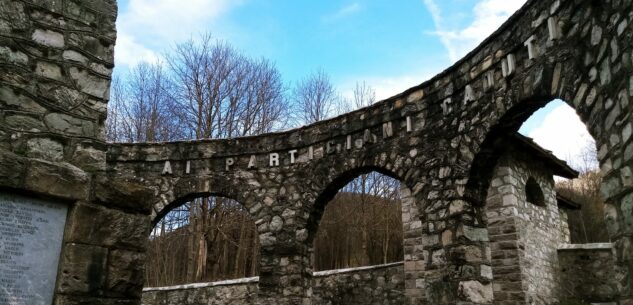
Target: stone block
x: 89, y: 158
x: 476, y: 292
x: 127, y: 194
x: 45, y: 148
x: 12, y: 169
x: 70, y: 125
x: 82, y: 270
x: 101, y: 226
x: 125, y: 273
x: 89, y: 83
x: 48, y: 38
x: 57, y: 179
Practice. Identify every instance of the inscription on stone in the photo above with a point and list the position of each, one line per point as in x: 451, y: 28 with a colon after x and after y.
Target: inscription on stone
x: 31, y: 232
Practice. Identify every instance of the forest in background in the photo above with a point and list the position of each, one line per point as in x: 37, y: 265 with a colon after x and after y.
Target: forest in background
x: 207, y: 89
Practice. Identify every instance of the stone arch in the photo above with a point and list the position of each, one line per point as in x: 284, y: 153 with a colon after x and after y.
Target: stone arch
x: 224, y: 238
x: 175, y: 192
x: 606, y: 124
x: 331, y: 189
x: 414, y: 258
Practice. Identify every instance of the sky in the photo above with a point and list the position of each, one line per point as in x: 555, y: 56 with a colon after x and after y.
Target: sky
x: 390, y: 47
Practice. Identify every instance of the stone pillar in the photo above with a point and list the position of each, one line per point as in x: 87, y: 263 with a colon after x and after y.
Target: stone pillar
x: 56, y: 59
x: 414, y: 259
x: 284, y: 276
x: 504, y: 240
x: 456, y: 251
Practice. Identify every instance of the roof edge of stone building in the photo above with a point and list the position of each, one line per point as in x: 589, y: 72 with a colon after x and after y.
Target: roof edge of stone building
x: 558, y: 166
x: 566, y: 202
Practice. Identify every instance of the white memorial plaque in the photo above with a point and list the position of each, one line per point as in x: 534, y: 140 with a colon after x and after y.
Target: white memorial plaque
x: 31, y: 233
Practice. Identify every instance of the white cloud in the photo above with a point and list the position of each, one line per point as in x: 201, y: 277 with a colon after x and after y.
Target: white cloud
x: 130, y: 52
x: 343, y: 12
x: 488, y: 15
x: 562, y: 132
x: 146, y: 25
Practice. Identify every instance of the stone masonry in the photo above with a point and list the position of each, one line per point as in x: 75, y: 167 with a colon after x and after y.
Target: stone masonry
x: 524, y: 235
x: 587, y: 273
x: 375, y: 285
x: 437, y: 138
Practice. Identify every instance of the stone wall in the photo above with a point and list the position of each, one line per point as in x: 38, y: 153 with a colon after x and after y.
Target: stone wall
x: 588, y: 273
x: 56, y: 59
x: 373, y: 285
x: 436, y: 138
x: 524, y: 236
x: 234, y: 292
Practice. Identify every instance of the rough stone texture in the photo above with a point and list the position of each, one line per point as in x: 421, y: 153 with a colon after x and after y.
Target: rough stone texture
x: 441, y: 148
x: 51, y: 146
x: 380, y: 285
x: 414, y: 256
x: 524, y: 236
x: 376, y: 285
x: 587, y: 273
x: 212, y: 293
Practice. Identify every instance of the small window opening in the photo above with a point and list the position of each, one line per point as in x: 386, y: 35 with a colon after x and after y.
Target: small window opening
x: 533, y: 193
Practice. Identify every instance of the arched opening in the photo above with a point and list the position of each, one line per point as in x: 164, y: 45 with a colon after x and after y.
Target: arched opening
x: 205, y: 239
x: 519, y: 177
x: 359, y: 232
x: 534, y: 193
x: 361, y: 225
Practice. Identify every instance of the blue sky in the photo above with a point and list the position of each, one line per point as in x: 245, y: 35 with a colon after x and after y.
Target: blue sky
x: 391, y: 46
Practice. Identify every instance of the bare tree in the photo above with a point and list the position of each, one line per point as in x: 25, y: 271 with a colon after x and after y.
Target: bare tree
x: 362, y: 225
x: 587, y: 224
x: 315, y: 98
x: 140, y: 107
x: 114, y: 121
x: 221, y: 93
x: 364, y: 95
x: 218, y: 93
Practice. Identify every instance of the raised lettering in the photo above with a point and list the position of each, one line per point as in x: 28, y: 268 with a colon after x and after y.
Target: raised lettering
x: 387, y: 130
x: 508, y: 65
x: 469, y: 94
x: 167, y: 168
x: 274, y: 160
x: 446, y: 106
x: 554, y: 29
x: 489, y: 80
x: 228, y: 163
x: 330, y: 148
x: 368, y: 137
x: 531, y: 47
x: 252, y: 163
x: 292, y: 156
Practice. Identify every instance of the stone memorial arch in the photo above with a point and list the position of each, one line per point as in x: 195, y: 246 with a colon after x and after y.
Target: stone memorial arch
x: 438, y: 139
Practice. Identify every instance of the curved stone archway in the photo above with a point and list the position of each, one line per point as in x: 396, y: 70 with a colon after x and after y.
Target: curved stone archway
x: 435, y: 137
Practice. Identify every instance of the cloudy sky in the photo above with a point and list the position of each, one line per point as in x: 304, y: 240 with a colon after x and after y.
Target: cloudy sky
x: 390, y: 46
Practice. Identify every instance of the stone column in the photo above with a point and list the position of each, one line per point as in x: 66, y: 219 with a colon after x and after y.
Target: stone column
x: 56, y: 58
x: 284, y: 276
x: 456, y: 250
x: 414, y: 258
